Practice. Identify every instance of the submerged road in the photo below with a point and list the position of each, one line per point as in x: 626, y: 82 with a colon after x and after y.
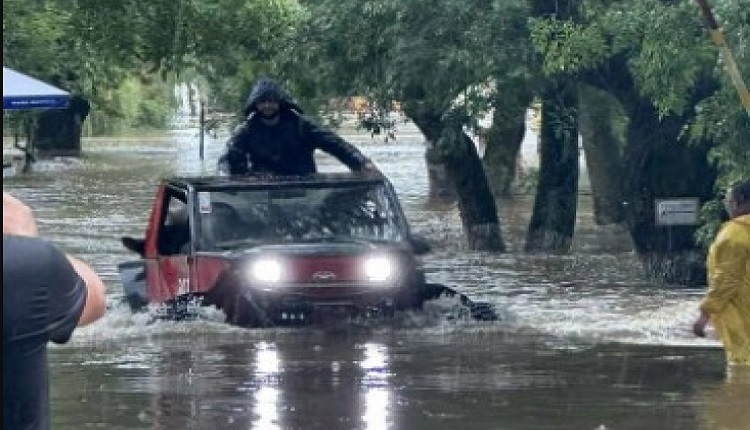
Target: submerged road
x: 584, y: 342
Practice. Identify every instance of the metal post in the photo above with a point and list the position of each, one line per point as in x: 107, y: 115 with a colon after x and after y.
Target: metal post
x: 202, y: 128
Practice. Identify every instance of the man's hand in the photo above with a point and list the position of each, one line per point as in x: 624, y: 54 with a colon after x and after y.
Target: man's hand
x: 18, y: 218
x: 369, y: 166
x: 699, y: 327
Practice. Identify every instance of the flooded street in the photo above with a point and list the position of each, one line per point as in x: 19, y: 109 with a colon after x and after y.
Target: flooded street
x: 584, y: 343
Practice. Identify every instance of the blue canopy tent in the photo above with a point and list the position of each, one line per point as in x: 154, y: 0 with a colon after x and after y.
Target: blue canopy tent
x: 21, y: 91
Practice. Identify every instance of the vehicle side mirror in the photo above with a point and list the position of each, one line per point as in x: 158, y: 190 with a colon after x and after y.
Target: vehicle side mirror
x: 135, y: 245
x: 419, y: 244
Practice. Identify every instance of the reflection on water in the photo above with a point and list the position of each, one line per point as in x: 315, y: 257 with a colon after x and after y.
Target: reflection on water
x: 375, y: 386
x: 267, y: 393
x: 584, y: 342
x: 724, y: 404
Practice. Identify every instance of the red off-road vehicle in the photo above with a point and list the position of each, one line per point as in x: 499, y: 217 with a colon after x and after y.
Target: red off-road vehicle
x: 270, y: 250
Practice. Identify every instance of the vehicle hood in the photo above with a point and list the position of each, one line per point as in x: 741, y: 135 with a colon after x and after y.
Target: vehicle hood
x: 325, y: 248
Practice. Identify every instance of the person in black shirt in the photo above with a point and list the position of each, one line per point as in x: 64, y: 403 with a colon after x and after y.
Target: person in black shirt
x: 276, y: 138
x: 46, y: 294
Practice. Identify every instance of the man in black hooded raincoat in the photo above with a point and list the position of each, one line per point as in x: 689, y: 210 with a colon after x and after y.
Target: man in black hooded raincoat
x: 276, y: 139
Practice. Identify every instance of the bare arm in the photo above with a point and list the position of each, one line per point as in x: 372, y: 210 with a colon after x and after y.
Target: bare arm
x: 18, y: 219
x: 96, y: 299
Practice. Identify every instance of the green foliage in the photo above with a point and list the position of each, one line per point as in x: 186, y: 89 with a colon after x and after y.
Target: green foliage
x: 711, y: 217
x: 721, y: 117
x: 400, y: 50
x: 664, y: 42
x: 668, y: 68
x: 671, y: 61
x: 567, y: 46
x: 32, y: 32
x: 135, y: 105
x: 91, y: 47
x: 488, y: 52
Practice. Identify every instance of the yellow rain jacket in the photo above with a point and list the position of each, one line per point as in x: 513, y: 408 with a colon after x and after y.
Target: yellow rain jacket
x: 727, y: 301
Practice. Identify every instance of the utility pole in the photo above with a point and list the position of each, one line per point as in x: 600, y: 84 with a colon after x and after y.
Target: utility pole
x: 202, y: 127
x: 717, y: 36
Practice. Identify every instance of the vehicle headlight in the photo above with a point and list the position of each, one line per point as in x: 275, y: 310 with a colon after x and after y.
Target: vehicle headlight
x: 266, y: 270
x: 379, y: 269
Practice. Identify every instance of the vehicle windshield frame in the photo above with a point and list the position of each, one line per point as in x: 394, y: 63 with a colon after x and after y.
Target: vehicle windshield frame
x: 299, y: 212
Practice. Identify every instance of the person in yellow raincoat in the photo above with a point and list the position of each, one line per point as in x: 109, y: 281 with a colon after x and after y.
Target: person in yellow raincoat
x: 727, y: 302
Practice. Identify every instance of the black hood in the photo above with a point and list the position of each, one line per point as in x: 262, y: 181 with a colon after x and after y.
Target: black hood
x: 266, y: 88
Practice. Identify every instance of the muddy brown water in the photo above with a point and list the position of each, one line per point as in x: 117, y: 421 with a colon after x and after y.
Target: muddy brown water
x: 584, y: 342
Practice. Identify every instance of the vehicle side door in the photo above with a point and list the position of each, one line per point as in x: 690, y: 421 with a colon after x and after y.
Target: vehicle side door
x: 169, y: 246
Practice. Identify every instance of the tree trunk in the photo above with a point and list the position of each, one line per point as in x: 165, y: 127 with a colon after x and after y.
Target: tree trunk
x: 553, y: 219
x: 475, y: 201
x: 659, y: 164
x: 504, y: 140
x: 58, y: 132
x: 603, y: 148
x: 441, y: 185
x: 457, y: 157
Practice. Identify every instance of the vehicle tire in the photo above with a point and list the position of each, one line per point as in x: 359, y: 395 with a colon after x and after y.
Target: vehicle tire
x: 409, y: 299
x: 238, y: 309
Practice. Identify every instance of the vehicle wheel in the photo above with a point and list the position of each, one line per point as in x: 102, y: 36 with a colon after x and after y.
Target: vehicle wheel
x: 409, y: 300
x: 237, y: 308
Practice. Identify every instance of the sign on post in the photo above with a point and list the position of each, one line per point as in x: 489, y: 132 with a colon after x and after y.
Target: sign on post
x: 679, y: 211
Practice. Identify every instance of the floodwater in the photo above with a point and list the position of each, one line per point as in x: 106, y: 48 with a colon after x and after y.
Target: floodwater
x: 584, y: 343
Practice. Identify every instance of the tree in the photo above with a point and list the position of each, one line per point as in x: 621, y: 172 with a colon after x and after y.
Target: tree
x: 424, y: 58
x: 553, y: 219
x: 662, y: 85
x: 90, y: 47
x: 602, y: 123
